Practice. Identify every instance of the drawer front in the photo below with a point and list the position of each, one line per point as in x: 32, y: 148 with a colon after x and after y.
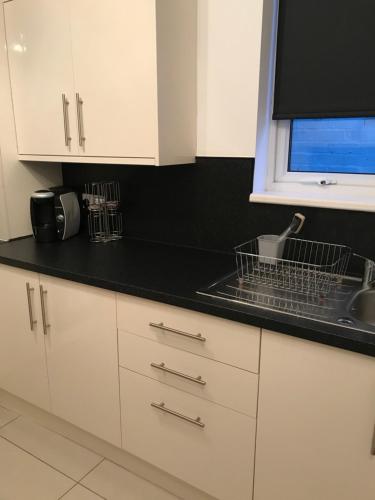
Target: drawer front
x: 217, y: 458
x: 226, y: 341
x: 217, y: 382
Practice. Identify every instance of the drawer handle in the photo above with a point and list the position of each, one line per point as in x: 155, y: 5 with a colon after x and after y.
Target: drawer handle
x: 161, y: 326
x: 161, y: 406
x: 43, y: 293
x: 163, y: 368
x: 33, y: 321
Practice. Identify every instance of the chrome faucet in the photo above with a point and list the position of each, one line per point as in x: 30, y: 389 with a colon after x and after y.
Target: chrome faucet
x: 369, y: 275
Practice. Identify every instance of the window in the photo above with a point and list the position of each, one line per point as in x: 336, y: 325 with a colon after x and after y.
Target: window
x: 326, y: 162
x: 333, y: 145
x: 313, y: 161
x: 323, y: 152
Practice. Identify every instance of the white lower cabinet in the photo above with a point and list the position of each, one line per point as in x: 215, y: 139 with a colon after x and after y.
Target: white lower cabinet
x: 82, y: 357
x: 189, y: 390
x: 188, y: 393
x: 23, y: 369
x: 316, y: 418
x: 58, y: 349
x: 197, y: 421
x: 214, y: 453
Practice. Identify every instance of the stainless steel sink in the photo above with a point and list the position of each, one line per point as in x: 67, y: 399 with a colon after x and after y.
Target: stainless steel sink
x: 314, y: 281
x: 350, y: 306
x: 362, y: 307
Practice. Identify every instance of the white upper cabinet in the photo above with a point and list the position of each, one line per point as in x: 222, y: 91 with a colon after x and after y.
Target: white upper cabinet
x: 41, y: 71
x: 110, y: 82
x: 118, y: 108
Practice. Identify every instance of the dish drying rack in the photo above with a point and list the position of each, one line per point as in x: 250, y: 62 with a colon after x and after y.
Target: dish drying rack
x: 104, y: 217
x: 306, y: 280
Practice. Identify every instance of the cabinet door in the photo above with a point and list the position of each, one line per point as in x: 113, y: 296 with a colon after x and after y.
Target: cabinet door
x: 82, y: 357
x: 23, y: 370
x: 315, y: 422
x: 41, y: 71
x: 114, y: 53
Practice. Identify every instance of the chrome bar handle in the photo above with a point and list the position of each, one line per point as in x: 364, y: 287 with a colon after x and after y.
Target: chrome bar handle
x: 66, y: 120
x: 33, y: 321
x: 163, y: 368
x: 161, y: 406
x: 161, y: 326
x: 42, y: 303
x: 81, y: 134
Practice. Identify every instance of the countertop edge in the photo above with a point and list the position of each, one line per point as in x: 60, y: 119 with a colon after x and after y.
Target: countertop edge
x: 202, y: 306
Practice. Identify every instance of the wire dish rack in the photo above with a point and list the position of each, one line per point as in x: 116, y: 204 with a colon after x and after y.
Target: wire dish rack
x: 306, y: 281
x: 308, y: 267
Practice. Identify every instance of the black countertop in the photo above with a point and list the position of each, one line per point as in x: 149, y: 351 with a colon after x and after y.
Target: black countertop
x: 167, y: 274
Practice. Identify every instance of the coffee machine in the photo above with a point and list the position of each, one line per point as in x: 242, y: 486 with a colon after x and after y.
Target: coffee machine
x: 42, y: 211
x: 55, y: 214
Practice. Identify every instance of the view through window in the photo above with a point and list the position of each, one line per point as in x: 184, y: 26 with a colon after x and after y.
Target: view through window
x: 335, y: 145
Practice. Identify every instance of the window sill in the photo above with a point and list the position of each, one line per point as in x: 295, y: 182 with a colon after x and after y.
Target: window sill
x: 322, y: 200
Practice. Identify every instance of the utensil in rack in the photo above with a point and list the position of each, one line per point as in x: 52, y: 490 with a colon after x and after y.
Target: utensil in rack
x: 272, y: 246
x: 294, y: 227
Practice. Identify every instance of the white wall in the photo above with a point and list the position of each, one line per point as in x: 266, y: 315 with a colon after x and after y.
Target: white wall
x: 229, y: 38
x: 4, y: 225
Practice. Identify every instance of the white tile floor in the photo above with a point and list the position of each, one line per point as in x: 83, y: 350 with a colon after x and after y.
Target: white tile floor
x: 37, y: 464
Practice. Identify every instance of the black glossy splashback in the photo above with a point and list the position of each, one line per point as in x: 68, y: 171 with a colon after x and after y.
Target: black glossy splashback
x: 207, y: 206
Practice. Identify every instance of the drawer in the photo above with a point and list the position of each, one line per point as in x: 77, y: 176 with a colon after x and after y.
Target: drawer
x: 215, y: 338
x: 217, y: 458
x: 223, y: 384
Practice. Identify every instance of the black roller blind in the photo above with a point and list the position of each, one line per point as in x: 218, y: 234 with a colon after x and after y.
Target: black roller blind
x: 325, y: 63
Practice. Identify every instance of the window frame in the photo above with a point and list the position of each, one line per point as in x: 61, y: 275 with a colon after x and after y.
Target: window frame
x: 282, y: 173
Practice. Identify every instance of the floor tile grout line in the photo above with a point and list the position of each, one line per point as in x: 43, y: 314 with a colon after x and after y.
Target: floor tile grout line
x: 82, y: 486
x: 5, y: 407
x: 76, y: 443
x: 37, y: 458
x: 10, y: 422
x: 89, y: 472
x: 142, y: 478
x: 51, y: 466
x: 67, y: 491
x: 92, y: 469
x: 77, y: 482
x: 92, y: 491
x: 58, y: 433
x: 62, y: 435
